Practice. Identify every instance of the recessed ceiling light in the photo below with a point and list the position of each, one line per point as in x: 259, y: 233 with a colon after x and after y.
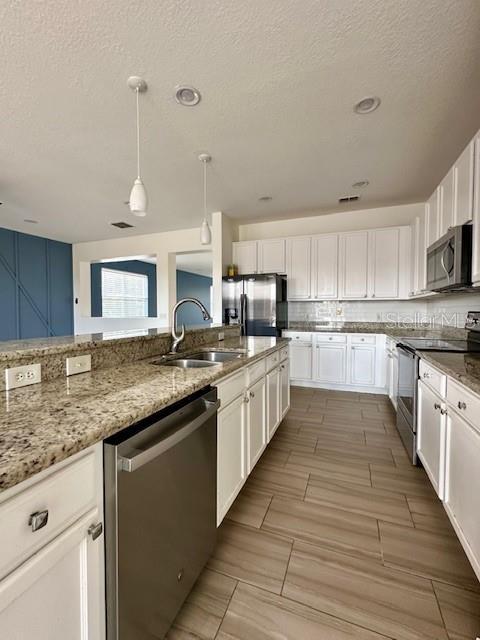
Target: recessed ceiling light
x: 265, y: 198
x: 30, y: 221
x: 367, y: 105
x: 360, y: 184
x: 187, y: 96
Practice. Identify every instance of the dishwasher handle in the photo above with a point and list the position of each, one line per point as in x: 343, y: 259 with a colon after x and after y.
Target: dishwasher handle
x: 137, y: 460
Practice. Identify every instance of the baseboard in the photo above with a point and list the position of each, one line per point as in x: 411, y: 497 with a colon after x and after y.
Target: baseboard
x: 338, y: 387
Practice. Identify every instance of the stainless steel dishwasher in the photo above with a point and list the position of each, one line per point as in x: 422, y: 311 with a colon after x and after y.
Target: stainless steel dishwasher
x: 160, y: 515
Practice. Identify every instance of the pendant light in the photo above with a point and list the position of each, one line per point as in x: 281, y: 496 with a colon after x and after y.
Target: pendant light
x: 205, y: 233
x: 138, y: 195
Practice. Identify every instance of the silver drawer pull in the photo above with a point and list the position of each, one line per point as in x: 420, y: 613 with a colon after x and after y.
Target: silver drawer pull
x: 38, y: 520
x: 330, y: 338
x: 95, y: 530
x: 246, y: 399
x: 461, y: 405
x: 427, y: 375
x: 443, y: 411
x: 437, y: 406
x: 252, y: 395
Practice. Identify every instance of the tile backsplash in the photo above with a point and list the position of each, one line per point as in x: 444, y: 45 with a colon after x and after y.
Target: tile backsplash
x: 449, y: 310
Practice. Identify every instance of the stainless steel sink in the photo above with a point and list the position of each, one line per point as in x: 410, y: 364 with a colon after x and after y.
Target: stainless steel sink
x: 186, y: 363
x: 216, y: 356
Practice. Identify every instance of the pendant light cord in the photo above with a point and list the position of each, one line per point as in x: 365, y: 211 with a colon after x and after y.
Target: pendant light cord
x: 204, y: 190
x: 138, y: 135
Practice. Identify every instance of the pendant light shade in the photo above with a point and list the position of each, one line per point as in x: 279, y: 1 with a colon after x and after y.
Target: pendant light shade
x: 138, y: 200
x: 205, y: 232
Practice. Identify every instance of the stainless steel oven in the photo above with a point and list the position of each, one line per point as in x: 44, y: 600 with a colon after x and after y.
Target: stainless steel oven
x: 407, y: 398
x: 449, y: 260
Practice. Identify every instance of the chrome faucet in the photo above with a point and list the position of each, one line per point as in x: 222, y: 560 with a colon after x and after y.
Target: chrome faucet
x: 178, y: 338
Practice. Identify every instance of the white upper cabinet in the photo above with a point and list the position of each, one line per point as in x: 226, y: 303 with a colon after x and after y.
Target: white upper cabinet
x: 431, y: 212
x: 354, y: 265
x: 325, y: 266
x: 245, y: 256
x: 446, y: 203
x: 299, y: 268
x: 476, y: 214
x: 464, y: 173
x: 419, y: 256
x: 384, y: 253
x: 271, y: 256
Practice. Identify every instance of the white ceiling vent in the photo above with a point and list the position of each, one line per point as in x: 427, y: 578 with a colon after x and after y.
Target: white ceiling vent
x: 349, y: 198
x: 122, y: 225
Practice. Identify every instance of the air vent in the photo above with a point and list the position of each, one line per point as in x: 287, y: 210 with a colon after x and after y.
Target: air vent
x: 349, y: 199
x: 122, y: 225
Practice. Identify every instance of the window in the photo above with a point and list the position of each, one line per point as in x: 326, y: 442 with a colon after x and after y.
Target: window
x: 124, y: 294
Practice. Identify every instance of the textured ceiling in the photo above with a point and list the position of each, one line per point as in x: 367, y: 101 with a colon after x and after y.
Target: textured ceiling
x: 278, y: 80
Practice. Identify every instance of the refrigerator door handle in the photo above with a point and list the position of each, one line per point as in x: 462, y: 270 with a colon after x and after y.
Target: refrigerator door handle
x: 243, y: 313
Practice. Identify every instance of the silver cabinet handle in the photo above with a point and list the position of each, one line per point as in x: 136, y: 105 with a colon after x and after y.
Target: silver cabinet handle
x: 252, y: 395
x: 246, y: 399
x: 436, y: 406
x: 362, y: 339
x: 38, y: 520
x: 427, y: 375
x: 443, y: 411
x: 330, y: 338
x: 461, y: 405
x: 95, y: 530
x: 282, y: 367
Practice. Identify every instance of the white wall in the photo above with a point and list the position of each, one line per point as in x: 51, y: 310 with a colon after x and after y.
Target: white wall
x: 331, y: 222
x: 164, y: 246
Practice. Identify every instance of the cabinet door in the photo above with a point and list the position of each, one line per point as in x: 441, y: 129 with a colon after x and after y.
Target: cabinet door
x: 284, y: 388
x: 271, y: 256
x: 231, y: 455
x: 58, y: 591
x: 325, y: 266
x: 273, y: 401
x: 447, y: 195
x: 245, y: 257
x: 421, y: 257
x: 476, y: 213
x: 301, y: 361
x: 464, y: 167
x: 354, y: 264
x: 431, y: 425
x: 299, y: 268
x: 432, y: 226
x: 256, y: 422
x: 462, y: 479
x: 330, y: 363
x: 362, y: 365
x: 384, y: 263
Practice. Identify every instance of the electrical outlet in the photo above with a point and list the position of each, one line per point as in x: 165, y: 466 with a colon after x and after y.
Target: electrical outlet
x: 22, y: 376
x: 221, y: 336
x: 79, y: 364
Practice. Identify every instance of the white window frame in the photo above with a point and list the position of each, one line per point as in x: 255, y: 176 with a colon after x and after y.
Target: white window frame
x: 125, y: 299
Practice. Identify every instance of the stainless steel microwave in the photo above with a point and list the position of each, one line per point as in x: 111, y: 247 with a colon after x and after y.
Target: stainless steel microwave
x: 449, y: 260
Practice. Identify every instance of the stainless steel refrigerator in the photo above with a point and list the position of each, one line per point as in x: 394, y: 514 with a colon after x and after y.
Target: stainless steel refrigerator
x: 258, y: 303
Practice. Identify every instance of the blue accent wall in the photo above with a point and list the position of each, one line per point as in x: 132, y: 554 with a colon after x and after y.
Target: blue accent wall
x: 133, y: 266
x: 191, y: 285
x: 36, y: 287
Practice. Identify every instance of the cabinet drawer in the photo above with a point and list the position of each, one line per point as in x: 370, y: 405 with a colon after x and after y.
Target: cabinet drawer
x: 363, y: 339
x: 283, y: 353
x: 231, y: 388
x: 272, y: 360
x: 66, y: 494
x: 465, y: 403
x: 332, y: 337
x: 301, y: 336
x: 255, y: 371
x: 433, y: 378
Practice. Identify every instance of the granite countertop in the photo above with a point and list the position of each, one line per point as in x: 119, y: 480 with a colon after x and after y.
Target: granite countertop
x: 46, y: 423
x: 463, y: 367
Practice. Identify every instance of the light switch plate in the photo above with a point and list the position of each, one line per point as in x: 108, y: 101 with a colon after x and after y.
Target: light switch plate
x: 23, y: 376
x: 79, y: 364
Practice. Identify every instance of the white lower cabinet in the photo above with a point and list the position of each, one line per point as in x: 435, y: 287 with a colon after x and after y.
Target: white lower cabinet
x: 431, y: 425
x: 273, y: 401
x: 301, y: 361
x: 331, y: 363
x: 256, y: 422
x: 231, y: 454
x: 284, y: 388
x: 462, y: 479
x: 52, y: 570
x: 362, y: 365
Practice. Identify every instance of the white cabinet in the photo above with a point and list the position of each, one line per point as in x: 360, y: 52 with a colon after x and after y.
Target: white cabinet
x: 446, y: 191
x: 325, y: 266
x: 301, y: 360
x: 464, y: 176
x: 299, y: 268
x: 271, y: 256
x: 273, y: 401
x: 231, y: 454
x: 431, y: 425
x: 462, y: 479
x: 362, y: 365
x: 354, y: 265
x: 432, y: 224
x: 392, y: 371
x: 384, y: 251
x: 256, y: 422
x: 245, y: 256
x: 284, y: 388
x: 57, y: 593
x: 330, y: 363
x: 476, y: 214
x: 418, y: 280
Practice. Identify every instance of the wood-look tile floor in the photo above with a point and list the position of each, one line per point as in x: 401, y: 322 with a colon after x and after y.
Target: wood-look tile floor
x: 334, y: 536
